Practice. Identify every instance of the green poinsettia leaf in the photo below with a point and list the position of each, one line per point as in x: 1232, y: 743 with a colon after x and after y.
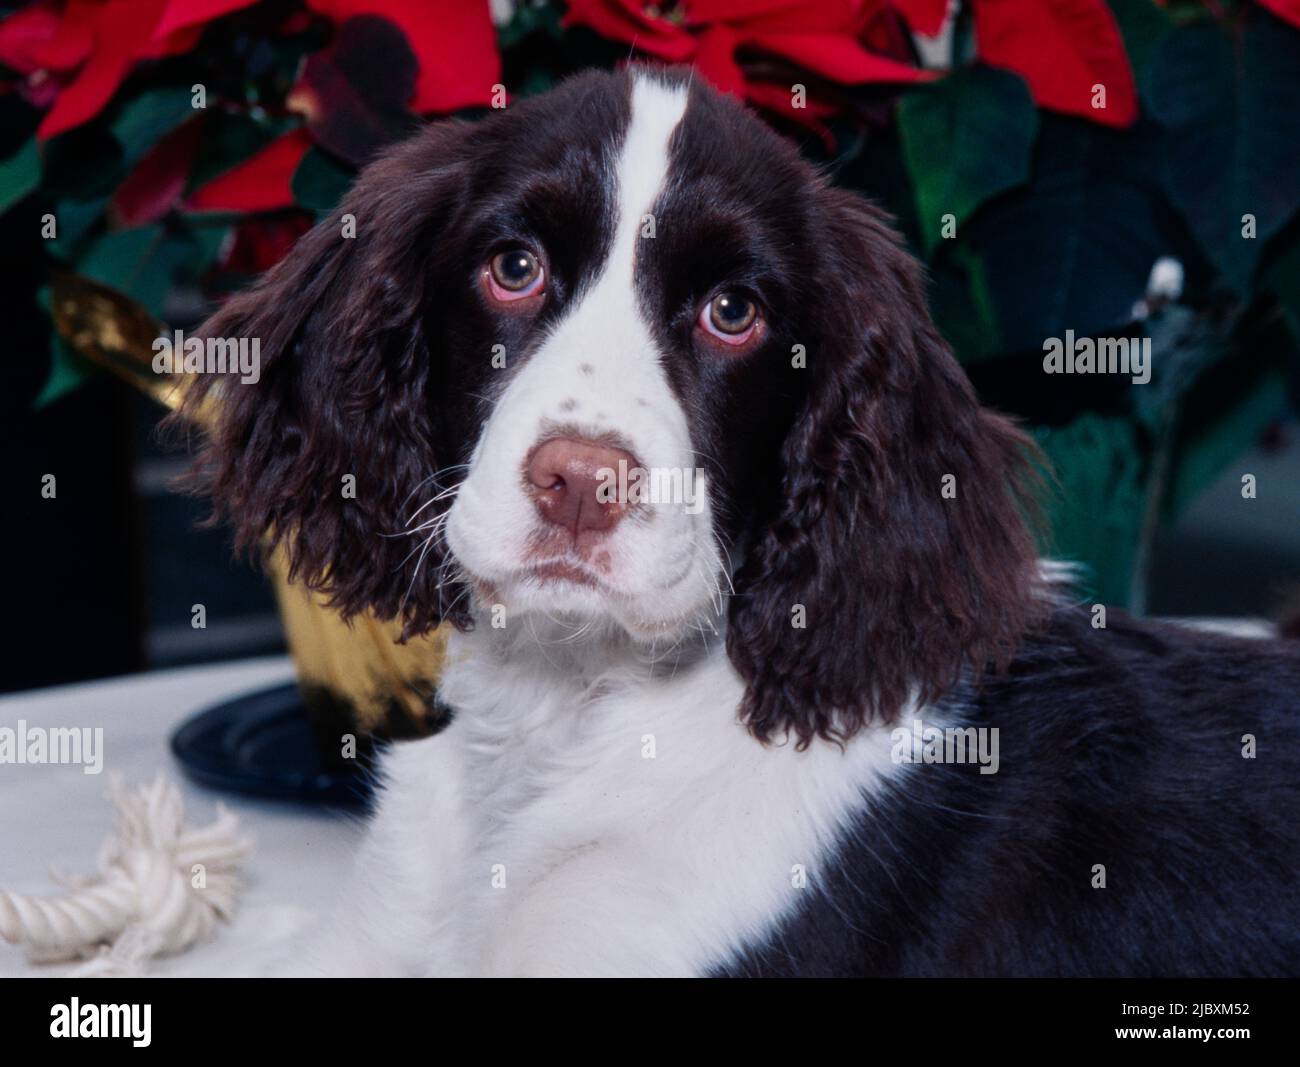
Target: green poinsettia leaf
x: 529, y: 19
x: 320, y: 181
x: 68, y: 371
x: 1232, y: 108
x: 1096, y: 516
x: 963, y: 307
x: 966, y: 139
x: 1281, y: 277
x: 74, y: 221
x: 1143, y: 26
x: 1223, y: 417
x: 206, y: 239
x: 147, y: 262
x: 120, y: 258
x: 147, y: 119
x: 535, y: 81
x: 1073, y: 248
x: 19, y: 175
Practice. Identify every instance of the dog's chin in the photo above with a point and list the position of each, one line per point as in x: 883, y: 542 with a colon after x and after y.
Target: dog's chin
x: 571, y: 600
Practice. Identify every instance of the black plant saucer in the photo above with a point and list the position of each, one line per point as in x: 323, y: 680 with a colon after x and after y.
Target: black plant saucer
x: 262, y: 743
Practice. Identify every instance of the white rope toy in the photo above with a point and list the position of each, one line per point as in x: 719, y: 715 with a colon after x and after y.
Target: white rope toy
x: 161, y: 887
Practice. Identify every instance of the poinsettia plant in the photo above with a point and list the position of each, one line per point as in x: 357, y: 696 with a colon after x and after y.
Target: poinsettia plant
x: 1120, y: 168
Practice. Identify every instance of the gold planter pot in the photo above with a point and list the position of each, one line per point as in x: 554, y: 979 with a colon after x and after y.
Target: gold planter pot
x: 353, y: 675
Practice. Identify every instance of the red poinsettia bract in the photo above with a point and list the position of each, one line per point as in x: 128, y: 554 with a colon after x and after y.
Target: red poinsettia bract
x: 1064, y: 50
x: 86, y: 48
x: 455, y: 46
x: 453, y: 40
x: 1068, y: 52
x: 1287, y: 10
x: 828, y: 38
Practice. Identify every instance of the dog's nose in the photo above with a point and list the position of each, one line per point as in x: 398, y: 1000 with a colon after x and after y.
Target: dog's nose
x: 576, y: 483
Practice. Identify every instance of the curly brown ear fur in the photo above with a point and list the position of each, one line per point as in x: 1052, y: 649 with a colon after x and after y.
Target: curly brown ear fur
x: 901, y: 587
x: 343, y: 390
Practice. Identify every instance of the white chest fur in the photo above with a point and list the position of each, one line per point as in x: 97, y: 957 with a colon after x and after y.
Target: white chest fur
x: 620, y: 824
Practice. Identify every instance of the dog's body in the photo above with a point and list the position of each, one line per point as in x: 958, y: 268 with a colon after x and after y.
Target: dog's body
x: 629, y: 825
x: 672, y: 747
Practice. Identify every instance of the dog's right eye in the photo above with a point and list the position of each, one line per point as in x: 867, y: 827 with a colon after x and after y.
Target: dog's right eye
x: 514, y: 275
x: 732, y: 318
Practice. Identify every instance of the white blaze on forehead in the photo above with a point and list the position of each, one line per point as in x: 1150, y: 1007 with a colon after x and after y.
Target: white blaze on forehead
x: 657, y: 110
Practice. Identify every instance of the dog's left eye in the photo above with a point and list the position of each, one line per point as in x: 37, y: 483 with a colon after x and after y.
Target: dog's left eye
x: 731, y: 317
x: 514, y: 275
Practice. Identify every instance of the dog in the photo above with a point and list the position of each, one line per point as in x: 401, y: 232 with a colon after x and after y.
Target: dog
x: 738, y: 568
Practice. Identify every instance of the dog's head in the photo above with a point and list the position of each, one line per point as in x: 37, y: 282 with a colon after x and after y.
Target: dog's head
x: 617, y: 356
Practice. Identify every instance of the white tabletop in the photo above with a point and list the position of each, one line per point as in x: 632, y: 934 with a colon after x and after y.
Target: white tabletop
x: 57, y: 817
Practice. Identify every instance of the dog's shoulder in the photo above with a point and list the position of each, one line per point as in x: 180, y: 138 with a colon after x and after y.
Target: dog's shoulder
x: 1140, y: 821
x: 1144, y: 679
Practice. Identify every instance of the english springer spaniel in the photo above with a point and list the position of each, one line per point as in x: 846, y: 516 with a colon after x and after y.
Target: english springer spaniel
x: 755, y: 670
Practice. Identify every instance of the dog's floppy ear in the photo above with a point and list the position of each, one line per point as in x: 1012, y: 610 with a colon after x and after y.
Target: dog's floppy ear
x: 325, y: 452
x: 899, y: 554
